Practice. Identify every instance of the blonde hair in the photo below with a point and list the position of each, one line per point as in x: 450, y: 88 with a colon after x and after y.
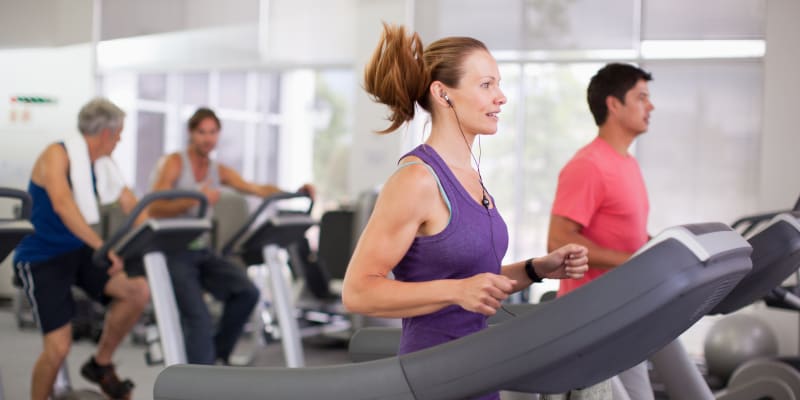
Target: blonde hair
x: 401, y: 71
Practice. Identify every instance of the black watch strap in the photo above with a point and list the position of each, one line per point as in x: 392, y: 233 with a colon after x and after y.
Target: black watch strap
x: 531, y: 272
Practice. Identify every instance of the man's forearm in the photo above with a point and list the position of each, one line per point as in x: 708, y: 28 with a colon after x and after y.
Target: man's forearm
x: 599, y: 256
x: 71, y: 216
x: 170, y: 208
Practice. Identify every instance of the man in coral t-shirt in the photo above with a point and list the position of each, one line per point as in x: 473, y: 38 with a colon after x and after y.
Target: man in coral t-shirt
x: 601, y: 200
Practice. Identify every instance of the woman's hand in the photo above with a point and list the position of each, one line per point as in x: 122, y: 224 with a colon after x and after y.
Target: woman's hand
x: 483, y: 293
x: 569, y: 261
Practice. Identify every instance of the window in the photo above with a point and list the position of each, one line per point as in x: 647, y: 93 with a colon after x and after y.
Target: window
x: 709, y: 114
x: 159, y: 105
x: 333, y: 128
x: 707, y: 103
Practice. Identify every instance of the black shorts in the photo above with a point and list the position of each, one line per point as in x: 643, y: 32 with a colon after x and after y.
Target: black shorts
x: 48, y: 285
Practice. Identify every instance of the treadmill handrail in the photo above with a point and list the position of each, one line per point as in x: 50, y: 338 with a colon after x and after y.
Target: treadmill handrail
x: 227, y: 249
x: 23, y: 196
x: 702, y: 245
x: 789, y: 217
x: 749, y: 222
x: 100, y: 258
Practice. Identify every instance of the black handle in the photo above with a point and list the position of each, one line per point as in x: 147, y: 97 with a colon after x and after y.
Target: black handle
x: 100, y: 257
x: 228, y: 248
x: 23, y: 196
x: 751, y: 221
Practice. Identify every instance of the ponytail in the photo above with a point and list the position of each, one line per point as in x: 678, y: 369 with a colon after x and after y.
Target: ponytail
x: 396, y: 75
x: 400, y: 71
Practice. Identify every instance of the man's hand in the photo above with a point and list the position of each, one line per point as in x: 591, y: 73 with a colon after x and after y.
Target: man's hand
x: 308, y: 188
x: 211, y: 193
x: 116, y: 263
x: 569, y: 261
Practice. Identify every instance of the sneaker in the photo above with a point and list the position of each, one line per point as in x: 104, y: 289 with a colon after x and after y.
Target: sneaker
x: 107, y: 378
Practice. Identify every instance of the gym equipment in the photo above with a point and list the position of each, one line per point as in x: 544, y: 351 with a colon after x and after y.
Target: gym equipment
x: 259, y: 242
x: 149, y: 241
x: 14, y: 229
x: 378, y: 342
x: 597, y: 331
x: 736, y: 339
x: 750, y: 223
x: 776, y: 255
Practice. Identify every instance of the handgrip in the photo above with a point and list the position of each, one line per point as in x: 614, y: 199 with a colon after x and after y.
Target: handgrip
x: 228, y: 248
x: 21, y: 195
x: 100, y: 257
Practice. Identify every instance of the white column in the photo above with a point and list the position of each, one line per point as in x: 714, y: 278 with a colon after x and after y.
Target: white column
x: 780, y: 143
x: 297, y: 129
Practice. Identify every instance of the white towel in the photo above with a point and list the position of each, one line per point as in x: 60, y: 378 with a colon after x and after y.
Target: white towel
x: 110, y: 182
x: 80, y: 174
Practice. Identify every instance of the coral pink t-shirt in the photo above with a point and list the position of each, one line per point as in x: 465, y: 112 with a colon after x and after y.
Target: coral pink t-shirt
x: 604, y: 192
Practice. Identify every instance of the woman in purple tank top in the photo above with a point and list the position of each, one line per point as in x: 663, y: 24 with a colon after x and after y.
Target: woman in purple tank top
x: 435, y: 225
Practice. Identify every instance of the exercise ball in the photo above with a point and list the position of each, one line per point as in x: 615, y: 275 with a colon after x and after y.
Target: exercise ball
x: 736, y: 339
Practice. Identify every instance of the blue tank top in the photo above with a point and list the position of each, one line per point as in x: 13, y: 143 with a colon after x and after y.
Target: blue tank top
x: 461, y: 250
x: 51, y: 237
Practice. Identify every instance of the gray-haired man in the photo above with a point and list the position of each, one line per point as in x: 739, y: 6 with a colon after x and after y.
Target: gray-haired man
x: 59, y: 254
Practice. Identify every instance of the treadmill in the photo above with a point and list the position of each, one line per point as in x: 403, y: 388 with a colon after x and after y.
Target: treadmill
x: 597, y: 331
x: 776, y: 256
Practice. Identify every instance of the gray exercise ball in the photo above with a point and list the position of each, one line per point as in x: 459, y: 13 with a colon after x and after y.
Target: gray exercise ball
x: 735, y: 339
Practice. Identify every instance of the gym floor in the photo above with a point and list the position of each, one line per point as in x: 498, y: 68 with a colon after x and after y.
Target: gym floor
x: 19, y: 349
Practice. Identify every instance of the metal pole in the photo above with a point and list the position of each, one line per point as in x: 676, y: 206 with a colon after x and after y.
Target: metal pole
x: 681, y: 377
x: 275, y: 260
x: 166, y: 308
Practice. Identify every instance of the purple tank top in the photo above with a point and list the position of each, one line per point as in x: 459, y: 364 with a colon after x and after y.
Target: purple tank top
x: 461, y: 250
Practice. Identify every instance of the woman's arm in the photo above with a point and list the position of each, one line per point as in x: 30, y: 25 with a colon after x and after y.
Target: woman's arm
x: 410, y: 204
x: 567, y: 262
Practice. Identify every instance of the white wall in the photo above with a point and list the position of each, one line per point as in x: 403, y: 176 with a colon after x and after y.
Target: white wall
x: 290, y: 33
x: 208, y: 48
x: 310, y: 31
x: 146, y: 17
x: 44, y: 23
x: 60, y: 73
x: 63, y: 74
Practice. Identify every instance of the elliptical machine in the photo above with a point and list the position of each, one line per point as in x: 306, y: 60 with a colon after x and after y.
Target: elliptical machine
x: 148, y: 242
x: 264, y: 242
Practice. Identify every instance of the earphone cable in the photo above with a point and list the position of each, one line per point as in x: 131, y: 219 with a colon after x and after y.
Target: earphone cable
x: 484, y: 194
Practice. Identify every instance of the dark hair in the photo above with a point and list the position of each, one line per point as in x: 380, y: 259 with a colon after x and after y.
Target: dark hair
x: 401, y: 71
x: 201, y: 114
x: 612, y: 80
